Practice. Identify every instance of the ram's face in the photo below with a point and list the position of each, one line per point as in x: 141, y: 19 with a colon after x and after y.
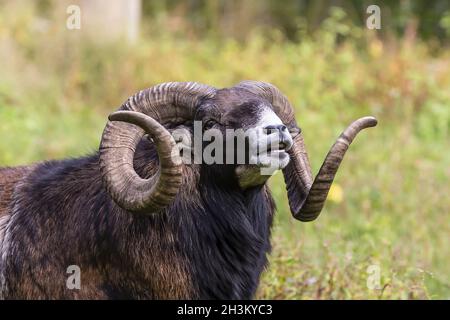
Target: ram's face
x: 253, y: 107
x: 253, y: 137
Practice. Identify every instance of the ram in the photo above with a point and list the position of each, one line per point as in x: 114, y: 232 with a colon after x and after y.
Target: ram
x: 142, y: 223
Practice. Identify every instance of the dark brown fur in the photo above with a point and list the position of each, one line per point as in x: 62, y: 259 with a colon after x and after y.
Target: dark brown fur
x: 62, y: 216
x: 211, y: 242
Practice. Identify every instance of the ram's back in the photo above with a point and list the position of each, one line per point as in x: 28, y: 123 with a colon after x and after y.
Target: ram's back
x: 9, y: 177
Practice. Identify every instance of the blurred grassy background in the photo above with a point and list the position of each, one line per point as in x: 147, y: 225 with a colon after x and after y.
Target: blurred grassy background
x: 390, y: 203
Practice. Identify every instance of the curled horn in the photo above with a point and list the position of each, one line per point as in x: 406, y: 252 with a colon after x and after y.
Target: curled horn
x: 147, y: 112
x: 306, y: 196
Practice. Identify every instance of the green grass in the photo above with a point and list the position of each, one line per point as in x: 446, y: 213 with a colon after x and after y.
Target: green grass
x: 390, y: 203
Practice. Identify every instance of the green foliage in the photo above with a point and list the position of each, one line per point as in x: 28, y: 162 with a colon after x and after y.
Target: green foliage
x: 238, y: 18
x: 390, y: 204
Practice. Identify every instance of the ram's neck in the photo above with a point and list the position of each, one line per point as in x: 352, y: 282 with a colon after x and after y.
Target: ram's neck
x: 227, y: 239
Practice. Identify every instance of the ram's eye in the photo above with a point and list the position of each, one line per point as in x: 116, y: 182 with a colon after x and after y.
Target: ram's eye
x: 209, y: 123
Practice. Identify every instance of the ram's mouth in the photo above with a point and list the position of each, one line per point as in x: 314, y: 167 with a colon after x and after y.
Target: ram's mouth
x: 274, y: 150
x: 273, y: 157
x: 282, y: 146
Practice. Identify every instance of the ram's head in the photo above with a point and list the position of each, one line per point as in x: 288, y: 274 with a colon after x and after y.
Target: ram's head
x: 272, y: 140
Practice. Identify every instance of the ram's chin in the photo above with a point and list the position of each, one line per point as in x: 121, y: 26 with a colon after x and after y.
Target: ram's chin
x: 265, y: 165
